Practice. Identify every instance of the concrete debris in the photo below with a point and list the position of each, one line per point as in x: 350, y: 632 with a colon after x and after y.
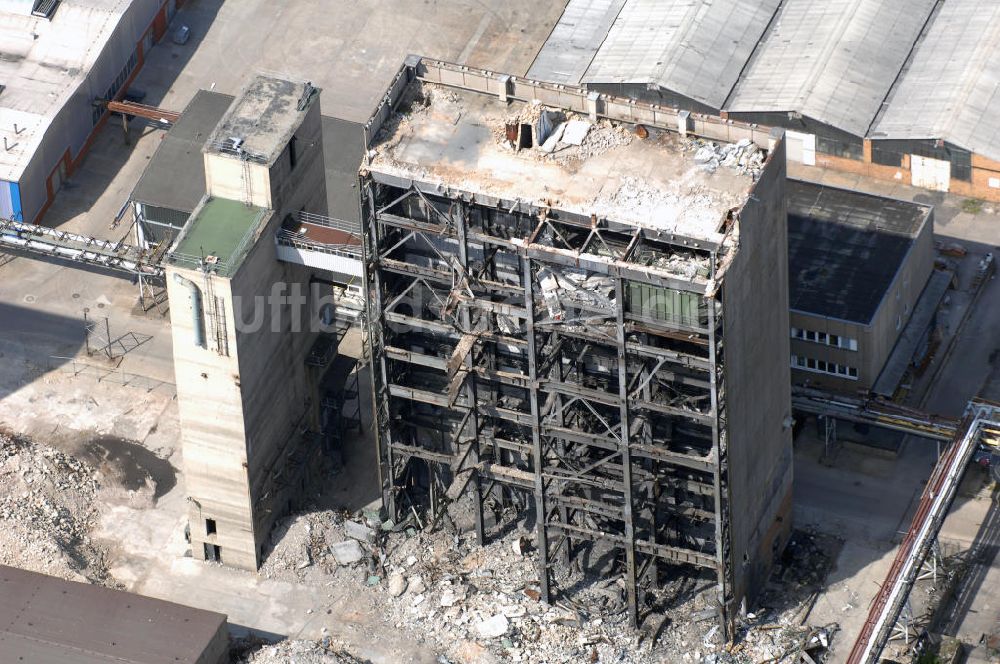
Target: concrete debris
x: 493, y: 627
x: 255, y: 651
x: 576, y: 132
x: 461, y: 597
x: 397, y: 584
x: 359, y: 531
x: 347, y: 552
x: 745, y: 156
x: 47, y: 512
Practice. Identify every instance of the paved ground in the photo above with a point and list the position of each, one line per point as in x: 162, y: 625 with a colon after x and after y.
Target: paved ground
x: 352, y: 53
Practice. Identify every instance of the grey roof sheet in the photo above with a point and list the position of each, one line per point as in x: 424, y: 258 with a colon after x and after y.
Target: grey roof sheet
x: 175, y: 176
x: 574, y: 41
x: 832, y: 60
x: 844, y: 248
x: 44, y: 619
x: 950, y: 89
x: 694, y: 48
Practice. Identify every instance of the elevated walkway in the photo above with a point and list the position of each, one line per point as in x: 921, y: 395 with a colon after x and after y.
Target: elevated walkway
x: 118, y: 256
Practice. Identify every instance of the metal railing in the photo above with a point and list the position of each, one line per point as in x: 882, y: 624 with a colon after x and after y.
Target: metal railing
x: 288, y: 238
x: 354, y: 228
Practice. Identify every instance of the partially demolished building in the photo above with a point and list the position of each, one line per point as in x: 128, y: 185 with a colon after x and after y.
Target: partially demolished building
x: 573, y: 306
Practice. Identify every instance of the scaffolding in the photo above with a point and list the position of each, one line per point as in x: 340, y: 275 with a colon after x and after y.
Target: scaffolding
x: 519, y: 353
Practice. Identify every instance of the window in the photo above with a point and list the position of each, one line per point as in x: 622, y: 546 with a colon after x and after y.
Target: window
x: 825, y: 338
x: 822, y: 366
x: 210, y: 528
x: 852, y: 149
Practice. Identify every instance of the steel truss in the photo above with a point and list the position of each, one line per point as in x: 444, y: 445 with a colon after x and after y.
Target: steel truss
x: 609, y: 424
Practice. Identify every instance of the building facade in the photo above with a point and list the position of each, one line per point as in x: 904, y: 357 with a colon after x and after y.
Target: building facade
x: 858, y: 265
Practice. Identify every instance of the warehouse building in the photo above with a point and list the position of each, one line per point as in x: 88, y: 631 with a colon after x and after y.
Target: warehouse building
x: 59, y: 59
x: 547, y: 308
x: 44, y: 619
x: 822, y: 71
x: 675, y: 54
x: 940, y: 127
x: 903, y: 91
x: 859, y: 269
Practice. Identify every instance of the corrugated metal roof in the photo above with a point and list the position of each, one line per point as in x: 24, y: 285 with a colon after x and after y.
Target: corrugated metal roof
x: 44, y: 619
x: 574, y: 41
x: 951, y: 89
x: 694, y: 48
x: 831, y: 60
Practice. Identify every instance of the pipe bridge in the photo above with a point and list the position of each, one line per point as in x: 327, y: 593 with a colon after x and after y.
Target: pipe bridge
x: 120, y: 256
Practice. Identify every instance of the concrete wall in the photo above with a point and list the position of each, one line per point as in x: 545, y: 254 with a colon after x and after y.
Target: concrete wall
x: 758, y: 386
x: 274, y: 380
x: 232, y: 178
x: 210, y: 401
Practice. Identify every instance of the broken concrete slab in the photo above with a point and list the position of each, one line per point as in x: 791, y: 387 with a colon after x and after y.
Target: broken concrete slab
x: 359, y: 531
x: 347, y: 552
x: 493, y: 627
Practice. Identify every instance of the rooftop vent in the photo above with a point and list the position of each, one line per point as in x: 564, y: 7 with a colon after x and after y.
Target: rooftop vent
x: 44, y: 8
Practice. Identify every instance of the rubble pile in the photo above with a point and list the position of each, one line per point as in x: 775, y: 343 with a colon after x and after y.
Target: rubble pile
x: 636, y: 198
x: 483, y: 604
x: 47, y: 510
x: 744, y: 156
x: 253, y: 651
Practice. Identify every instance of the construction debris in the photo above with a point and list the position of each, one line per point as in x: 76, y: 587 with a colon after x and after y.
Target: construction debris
x: 47, y: 511
x: 744, y: 156
x: 465, y: 598
x: 252, y: 650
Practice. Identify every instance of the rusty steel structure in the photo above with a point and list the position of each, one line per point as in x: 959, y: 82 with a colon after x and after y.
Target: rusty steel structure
x: 516, y: 354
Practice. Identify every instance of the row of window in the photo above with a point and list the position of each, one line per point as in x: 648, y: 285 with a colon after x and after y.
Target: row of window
x: 835, y: 340
x: 822, y: 366
x: 117, y: 84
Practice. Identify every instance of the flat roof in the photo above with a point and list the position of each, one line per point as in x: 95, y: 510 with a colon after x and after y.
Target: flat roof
x: 43, y: 62
x: 831, y: 60
x: 175, y: 176
x: 949, y: 89
x: 845, y: 248
x: 218, y: 228
x: 455, y: 138
x: 45, y: 620
x: 263, y: 118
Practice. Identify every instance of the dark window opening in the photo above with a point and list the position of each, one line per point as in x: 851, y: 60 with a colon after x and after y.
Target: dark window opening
x: 524, y: 137
x: 213, y: 553
x: 293, y: 156
x: 848, y: 149
x: 210, y: 528
x: 885, y: 156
